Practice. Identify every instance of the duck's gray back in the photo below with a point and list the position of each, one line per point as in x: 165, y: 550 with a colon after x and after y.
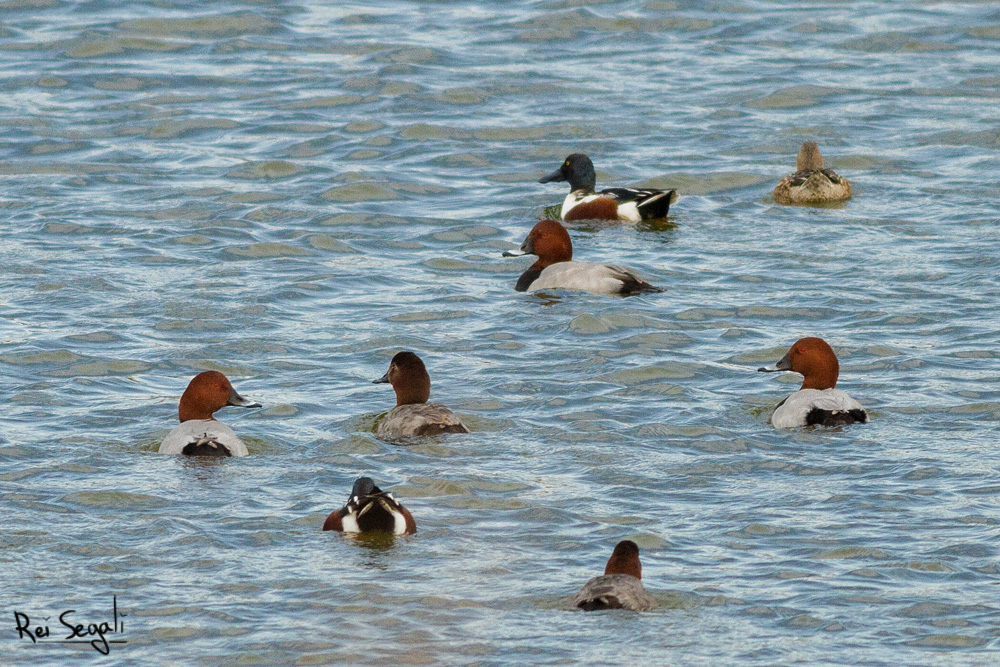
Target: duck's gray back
x: 614, y: 591
x: 420, y: 419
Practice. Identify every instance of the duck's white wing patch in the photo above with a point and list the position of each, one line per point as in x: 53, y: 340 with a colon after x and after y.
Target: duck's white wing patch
x: 349, y: 522
x: 400, y: 525
x: 629, y: 212
x: 194, y: 429
x: 792, y: 413
x: 575, y: 198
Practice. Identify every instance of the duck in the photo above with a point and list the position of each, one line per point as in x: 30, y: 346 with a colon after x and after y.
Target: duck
x: 199, y: 434
x: 555, y: 268
x: 817, y: 402
x: 370, y: 509
x: 620, y: 587
x: 583, y: 203
x: 811, y: 183
x: 413, y: 415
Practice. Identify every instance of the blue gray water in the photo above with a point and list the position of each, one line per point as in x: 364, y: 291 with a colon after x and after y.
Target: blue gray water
x: 292, y: 192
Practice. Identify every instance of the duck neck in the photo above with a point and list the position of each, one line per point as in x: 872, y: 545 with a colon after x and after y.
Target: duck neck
x: 190, y: 409
x: 624, y: 565
x: 540, y: 263
x: 416, y: 390
x: 826, y: 379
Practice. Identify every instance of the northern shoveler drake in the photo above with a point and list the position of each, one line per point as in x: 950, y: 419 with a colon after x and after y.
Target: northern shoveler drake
x: 811, y: 183
x: 555, y: 268
x: 370, y: 509
x: 413, y: 415
x: 199, y: 434
x: 621, y: 585
x: 816, y: 403
x: 583, y: 203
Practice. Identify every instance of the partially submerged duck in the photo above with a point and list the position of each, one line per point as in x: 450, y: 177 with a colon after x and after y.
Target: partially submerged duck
x: 620, y: 587
x: 199, y: 434
x: 413, y: 415
x: 370, y: 509
x: 816, y: 403
x: 555, y: 268
x: 811, y: 183
x: 583, y: 203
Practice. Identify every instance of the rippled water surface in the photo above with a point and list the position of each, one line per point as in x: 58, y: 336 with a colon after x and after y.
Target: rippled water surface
x: 292, y: 192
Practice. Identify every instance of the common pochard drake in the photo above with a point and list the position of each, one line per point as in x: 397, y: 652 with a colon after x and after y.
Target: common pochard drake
x: 811, y: 183
x: 620, y: 587
x: 555, y: 268
x: 583, y: 203
x: 413, y: 415
x: 199, y: 434
x: 816, y: 403
x: 370, y: 509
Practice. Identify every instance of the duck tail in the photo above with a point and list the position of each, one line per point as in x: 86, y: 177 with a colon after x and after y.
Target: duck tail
x: 633, y: 285
x: 658, y: 205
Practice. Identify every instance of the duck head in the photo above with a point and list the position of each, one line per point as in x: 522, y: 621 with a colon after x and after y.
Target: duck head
x: 625, y: 560
x: 549, y: 240
x: 409, y: 379
x: 578, y: 170
x: 208, y: 392
x: 814, y: 359
x: 809, y: 157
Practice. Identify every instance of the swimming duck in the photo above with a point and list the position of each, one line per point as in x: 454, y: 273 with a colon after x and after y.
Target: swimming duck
x: 555, y: 268
x: 371, y: 509
x: 621, y: 585
x: 413, y: 415
x: 816, y: 402
x: 811, y: 183
x: 199, y: 434
x: 582, y: 203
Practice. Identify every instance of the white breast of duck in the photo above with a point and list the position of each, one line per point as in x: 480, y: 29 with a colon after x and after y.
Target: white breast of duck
x: 591, y: 277
x: 822, y: 407
x: 203, y: 437
x: 614, y: 591
x: 420, y: 419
